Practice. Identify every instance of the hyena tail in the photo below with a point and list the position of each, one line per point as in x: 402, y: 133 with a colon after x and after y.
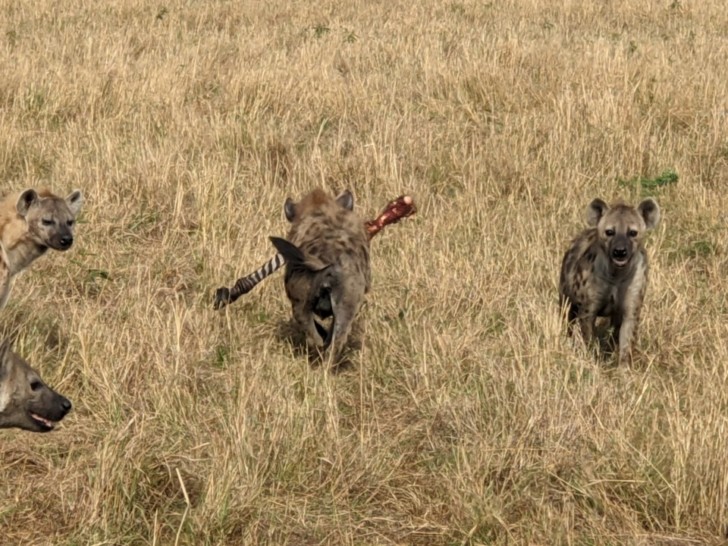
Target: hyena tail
x: 325, y: 287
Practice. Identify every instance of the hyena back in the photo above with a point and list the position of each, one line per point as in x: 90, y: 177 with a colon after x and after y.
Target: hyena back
x: 327, y: 266
x: 31, y: 222
x: 604, y: 272
x: 26, y: 402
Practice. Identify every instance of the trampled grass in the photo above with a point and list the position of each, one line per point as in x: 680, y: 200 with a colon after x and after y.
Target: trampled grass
x: 467, y: 417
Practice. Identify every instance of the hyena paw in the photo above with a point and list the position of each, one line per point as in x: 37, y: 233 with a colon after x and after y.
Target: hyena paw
x: 625, y: 358
x: 222, y: 297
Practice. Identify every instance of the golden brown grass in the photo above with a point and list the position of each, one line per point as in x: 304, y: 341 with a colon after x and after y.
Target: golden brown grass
x: 467, y: 416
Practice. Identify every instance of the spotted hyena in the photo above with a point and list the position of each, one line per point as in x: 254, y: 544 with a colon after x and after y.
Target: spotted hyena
x: 327, y: 266
x: 31, y: 222
x: 604, y: 272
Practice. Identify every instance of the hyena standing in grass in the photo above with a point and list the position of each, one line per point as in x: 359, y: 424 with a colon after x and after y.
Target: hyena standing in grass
x: 25, y: 401
x: 604, y: 272
x: 327, y: 266
x: 30, y: 223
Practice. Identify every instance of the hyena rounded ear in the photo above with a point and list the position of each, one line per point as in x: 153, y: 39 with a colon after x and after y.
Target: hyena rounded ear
x: 650, y: 212
x: 346, y: 200
x: 289, y: 208
x: 74, y: 200
x: 595, y: 211
x: 25, y: 201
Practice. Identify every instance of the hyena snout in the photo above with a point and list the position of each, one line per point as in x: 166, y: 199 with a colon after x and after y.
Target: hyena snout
x: 50, y: 408
x: 62, y: 241
x: 65, y: 242
x: 621, y: 249
x: 65, y: 405
x: 58, y: 408
x: 619, y: 252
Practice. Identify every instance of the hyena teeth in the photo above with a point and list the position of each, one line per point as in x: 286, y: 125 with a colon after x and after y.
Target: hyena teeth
x: 46, y: 422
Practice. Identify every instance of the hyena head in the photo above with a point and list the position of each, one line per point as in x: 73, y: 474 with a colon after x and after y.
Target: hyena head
x: 314, y: 200
x: 621, y: 227
x: 25, y: 401
x: 50, y: 218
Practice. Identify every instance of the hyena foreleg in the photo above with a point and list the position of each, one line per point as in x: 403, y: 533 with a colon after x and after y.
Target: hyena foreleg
x: 587, y: 323
x: 625, y: 332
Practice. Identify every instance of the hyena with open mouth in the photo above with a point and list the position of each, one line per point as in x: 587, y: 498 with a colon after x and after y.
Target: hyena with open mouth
x: 604, y: 272
x: 26, y: 402
x: 327, y: 266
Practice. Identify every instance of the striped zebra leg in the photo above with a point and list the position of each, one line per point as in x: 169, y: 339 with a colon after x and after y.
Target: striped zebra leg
x: 225, y: 296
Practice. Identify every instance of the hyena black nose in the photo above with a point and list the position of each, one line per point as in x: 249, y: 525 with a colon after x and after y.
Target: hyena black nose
x: 66, y: 405
x: 619, y: 253
x: 66, y: 241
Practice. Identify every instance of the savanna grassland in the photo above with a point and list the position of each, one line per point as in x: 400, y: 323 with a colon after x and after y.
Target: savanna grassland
x: 466, y: 416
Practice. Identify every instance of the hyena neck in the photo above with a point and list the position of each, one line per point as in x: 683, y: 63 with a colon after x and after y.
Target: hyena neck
x: 21, y: 252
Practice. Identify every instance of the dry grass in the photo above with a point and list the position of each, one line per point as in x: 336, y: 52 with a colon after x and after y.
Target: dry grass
x: 467, y: 417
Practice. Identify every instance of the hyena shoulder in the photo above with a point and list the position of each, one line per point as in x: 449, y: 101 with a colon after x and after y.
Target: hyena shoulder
x: 579, y: 263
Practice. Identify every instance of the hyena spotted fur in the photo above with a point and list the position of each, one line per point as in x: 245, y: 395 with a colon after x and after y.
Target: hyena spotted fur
x: 604, y: 272
x: 31, y: 222
x: 327, y: 266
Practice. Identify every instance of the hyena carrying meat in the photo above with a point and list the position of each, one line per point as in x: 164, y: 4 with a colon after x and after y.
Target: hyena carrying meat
x: 327, y: 266
x: 395, y: 211
x: 30, y: 223
x: 604, y: 272
x: 25, y: 401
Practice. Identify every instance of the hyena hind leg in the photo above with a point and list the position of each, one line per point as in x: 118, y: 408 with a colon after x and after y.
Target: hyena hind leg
x: 344, y: 313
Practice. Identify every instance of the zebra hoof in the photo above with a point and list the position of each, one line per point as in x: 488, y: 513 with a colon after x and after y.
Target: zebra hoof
x: 222, y: 298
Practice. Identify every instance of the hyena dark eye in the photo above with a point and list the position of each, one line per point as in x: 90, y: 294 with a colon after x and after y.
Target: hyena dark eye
x: 47, y: 221
x: 69, y: 223
x: 632, y: 233
x: 609, y: 232
x: 35, y: 385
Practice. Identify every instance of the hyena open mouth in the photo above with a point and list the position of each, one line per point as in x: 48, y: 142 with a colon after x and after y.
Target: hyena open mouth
x: 620, y: 254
